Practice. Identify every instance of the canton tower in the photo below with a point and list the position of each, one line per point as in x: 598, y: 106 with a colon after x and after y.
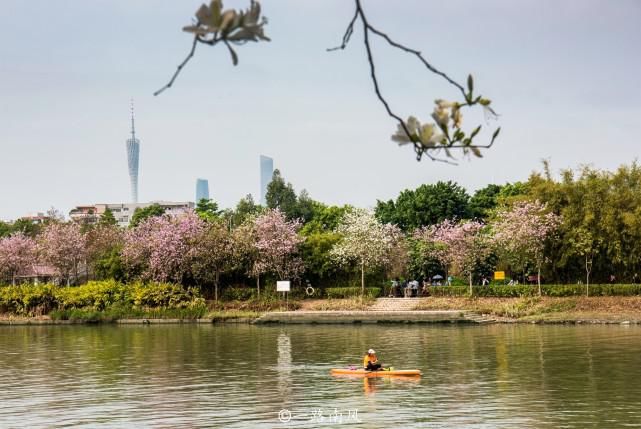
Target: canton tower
x: 133, y: 155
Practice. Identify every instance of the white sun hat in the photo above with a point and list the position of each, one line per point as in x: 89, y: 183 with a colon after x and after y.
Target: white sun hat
x: 371, y: 352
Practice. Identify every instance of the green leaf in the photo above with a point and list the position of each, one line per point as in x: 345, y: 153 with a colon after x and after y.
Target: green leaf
x: 470, y: 84
x: 234, y: 57
x: 496, y: 133
x: 475, y: 132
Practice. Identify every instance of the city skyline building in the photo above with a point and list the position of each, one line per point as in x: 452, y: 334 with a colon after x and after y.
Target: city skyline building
x: 123, y: 212
x: 133, y: 158
x: 266, y: 173
x: 202, y: 189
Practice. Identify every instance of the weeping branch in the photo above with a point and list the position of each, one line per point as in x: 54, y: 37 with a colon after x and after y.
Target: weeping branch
x: 420, y: 148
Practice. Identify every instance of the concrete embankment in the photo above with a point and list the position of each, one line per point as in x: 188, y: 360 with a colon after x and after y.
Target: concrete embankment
x: 338, y: 317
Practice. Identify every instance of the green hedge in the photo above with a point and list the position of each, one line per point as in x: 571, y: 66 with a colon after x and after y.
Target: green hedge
x: 533, y: 290
x: 351, y: 292
x: 96, y: 296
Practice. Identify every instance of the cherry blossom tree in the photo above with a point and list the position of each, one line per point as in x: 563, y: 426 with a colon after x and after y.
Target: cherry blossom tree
x: 17, y: 252
x: 159, y: 248
x: 269, y: 243
x: 64, y: 246
x: 459, y: 246
x: 211, y: 253
x: 521, y: 233
x: 277, y: 242
x: 365, y: 241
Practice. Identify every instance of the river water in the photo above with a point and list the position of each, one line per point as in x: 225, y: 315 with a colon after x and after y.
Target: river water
x: 228, y: 376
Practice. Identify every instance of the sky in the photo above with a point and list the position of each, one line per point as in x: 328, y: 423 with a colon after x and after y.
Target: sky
x: 564, y: 75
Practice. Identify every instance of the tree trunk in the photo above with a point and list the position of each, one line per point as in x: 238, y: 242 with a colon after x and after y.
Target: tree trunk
x: 216, y: 287
x: 538, y: 278
x: 587, y: 277
x: 258, y: 284
x: 471, y: 290
x: 362, y: 279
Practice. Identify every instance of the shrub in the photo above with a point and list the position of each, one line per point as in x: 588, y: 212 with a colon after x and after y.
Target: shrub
x: 165, y: 295
x: 504, y: 291
x: 99, y: 296
x: 351, y: 292
x: 96, y: 295
x: 28, y: 299
x: 238, y: 293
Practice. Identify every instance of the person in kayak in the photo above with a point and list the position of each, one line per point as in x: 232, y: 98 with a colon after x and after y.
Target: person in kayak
x: 370, y: 361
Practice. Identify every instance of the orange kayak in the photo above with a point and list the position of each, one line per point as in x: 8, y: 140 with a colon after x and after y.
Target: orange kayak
x: 360, y: 371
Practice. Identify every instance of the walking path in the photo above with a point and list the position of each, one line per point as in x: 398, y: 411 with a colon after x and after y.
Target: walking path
x: 396, y: 304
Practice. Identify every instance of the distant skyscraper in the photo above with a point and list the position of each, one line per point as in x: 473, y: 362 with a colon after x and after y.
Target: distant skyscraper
x: 202, y: 190
x: 133, y: 156
x: 266, y: 173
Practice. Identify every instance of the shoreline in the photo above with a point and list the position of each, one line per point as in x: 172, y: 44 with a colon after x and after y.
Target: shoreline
x: 450, y: 310
x: 333, y: 318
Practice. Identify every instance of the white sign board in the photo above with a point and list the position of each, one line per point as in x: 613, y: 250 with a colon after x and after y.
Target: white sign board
x: 282, y: 286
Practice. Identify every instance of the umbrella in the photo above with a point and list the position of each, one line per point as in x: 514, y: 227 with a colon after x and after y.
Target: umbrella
x: 437, y: 277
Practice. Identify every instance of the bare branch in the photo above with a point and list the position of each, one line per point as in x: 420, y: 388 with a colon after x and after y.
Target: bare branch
x: 348, y: 32
x: 420, y: 57
x: 419, y: 147
x: 180, y: 67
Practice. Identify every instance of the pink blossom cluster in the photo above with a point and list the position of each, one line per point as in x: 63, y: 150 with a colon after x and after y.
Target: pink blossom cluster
x: 17, y: 252
x: 276, y: 244
x: 63, y: 246
x: 159, y: 247
x: 523, y: 229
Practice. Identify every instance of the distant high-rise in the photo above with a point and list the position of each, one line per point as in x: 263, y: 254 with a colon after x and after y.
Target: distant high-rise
x: 202, y: 190
x: 133, y: 156
x: 266, y: 173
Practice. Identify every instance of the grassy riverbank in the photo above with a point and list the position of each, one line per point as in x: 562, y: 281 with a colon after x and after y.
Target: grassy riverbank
x: 544, y: 309
x: 111, y: 301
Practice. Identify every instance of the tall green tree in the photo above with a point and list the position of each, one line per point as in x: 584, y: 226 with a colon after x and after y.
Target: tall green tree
x: 245, y: 208
x: 5, y: 229
x: 108, y: 218
x: 207, y: 209
x: 281, y: 195
x: 484, y: 201
x: 426, y: 205
x: 140, y: 214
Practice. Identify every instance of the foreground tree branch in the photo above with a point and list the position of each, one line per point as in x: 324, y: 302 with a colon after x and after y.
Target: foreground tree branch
x: 428, y: 139
x: 213, y: 25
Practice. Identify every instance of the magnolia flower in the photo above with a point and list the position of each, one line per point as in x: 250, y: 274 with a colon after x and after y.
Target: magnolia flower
x: 234, y: 26
x: 457, y: 116
x: 417, y: 133
x: 441, y: 116
x: 401, y: 136
x: 428, y: 137
x: 444, y: 104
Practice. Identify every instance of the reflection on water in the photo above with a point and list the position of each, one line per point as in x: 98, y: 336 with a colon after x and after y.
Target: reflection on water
x: 242, y: 376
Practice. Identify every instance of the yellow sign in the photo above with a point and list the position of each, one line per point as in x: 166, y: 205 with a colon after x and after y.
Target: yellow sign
x: 499, y: 275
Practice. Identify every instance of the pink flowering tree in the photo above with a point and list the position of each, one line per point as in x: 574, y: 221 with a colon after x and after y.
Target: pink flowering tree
x: 211, y: 253
x: 461, y: 247
x: 365, y: 241
x: 521, y: 233
x: 17, y: 252
x: 64, y: 246
x: 159, y: 248
x: 276, y: 245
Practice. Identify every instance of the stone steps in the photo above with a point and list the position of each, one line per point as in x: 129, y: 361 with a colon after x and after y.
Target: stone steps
x: 479, y: 318
x: 396, y: 304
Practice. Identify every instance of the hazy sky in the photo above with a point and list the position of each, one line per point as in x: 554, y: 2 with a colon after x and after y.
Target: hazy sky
x: 564, y: 75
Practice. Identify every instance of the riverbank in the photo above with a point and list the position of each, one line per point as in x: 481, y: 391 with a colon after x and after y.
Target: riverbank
x: 570, y: 310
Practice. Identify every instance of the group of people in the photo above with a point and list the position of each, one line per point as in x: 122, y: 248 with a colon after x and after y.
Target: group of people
x: 410, y: 288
